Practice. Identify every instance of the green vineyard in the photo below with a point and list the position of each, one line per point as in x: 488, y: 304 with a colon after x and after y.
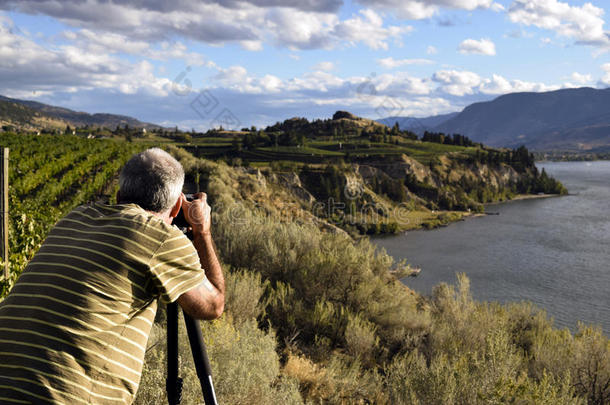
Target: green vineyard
x: 48, y: 176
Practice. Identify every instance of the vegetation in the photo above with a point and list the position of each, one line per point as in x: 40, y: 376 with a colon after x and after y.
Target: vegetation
x: 314, y: 316
x: 346, y: 331
x: 50, y: 175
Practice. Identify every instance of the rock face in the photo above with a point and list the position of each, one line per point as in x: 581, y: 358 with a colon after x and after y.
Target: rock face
x: 370, y: 175
x: 293, y: 183
x: 404, y: 167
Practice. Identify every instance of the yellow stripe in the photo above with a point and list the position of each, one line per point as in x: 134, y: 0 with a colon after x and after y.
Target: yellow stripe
x: 139, y: 273
x: 136, y: 258
x: 79, y: 362
x: 180, y: 236
x: 179, y: 259
x: 14, y: 400
x: 110, y: 309
x: 122, y: 277
x: 197, y: 282
x: 74, y: 397
x: 185, y: 246
x: 64, y: 380
x: 83, y: 335
x: 75, y: 371
x: 106, y: 217
x: 142, y: 318
x: 52, y: 264
x: 10, y: 387
x: 146, y: 250
x: 89, y: 325
x: 136, y: 208
x: 131, y: 229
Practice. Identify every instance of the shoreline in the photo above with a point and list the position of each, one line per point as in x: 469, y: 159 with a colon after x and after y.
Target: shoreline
x: 520, y: 197
x: 469, y: 215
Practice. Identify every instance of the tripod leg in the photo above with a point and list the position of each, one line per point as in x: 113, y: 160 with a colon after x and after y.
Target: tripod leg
x: 200, y: 356
x: 173, y: 384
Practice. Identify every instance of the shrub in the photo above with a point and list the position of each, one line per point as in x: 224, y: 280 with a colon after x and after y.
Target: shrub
x: 338, y: 381
x: 243, y: 294
x: 245, y: 366
x: 360, y: 338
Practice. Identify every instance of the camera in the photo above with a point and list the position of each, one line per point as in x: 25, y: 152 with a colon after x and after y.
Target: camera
x: 180, y: 220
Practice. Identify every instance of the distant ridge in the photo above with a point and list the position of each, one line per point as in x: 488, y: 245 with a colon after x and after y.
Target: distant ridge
x: 418, y: 125
x: 32, y: 115
x: 576, y: 120
x: 567, y: 119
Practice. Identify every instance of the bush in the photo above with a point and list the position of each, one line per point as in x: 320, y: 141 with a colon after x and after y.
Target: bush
x: 360, y: 338
x: 339, y: 381
x: 245, y: 366
x: 244, y: 290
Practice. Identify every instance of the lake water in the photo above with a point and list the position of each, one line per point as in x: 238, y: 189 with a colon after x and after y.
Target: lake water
x: 554, y: 252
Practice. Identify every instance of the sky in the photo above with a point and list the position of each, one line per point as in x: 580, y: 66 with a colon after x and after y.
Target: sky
x: 238, y: 63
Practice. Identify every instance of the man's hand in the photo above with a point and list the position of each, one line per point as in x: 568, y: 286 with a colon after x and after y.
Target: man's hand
x: 208, y: 299
x: 198, y: 213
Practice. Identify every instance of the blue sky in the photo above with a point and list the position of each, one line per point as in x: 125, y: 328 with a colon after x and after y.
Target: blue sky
x: 235, y: 63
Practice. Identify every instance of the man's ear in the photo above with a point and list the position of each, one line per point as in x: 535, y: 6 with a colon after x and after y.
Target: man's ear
x: 176, y: 208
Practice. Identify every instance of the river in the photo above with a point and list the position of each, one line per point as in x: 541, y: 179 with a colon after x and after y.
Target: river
x: 554, y: 252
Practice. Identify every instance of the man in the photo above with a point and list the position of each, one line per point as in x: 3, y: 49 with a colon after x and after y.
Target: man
x: 75, y: 326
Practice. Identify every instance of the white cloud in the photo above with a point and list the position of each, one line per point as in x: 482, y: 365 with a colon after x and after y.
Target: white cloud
x: 391, y: 63
x: 585, y: 24
x: 420, y: 9
x: 581, y: 78
x: 431, y: 50
x: 499, y: 85
x: 457, y: 83
x: 26, y: 66
x: 112, y: 43
x: 480, y: 47
x: 497, y: 7
x: 369, y: 30
x: 324, y: 66
x: 132, y: 24
x: 252, y: 45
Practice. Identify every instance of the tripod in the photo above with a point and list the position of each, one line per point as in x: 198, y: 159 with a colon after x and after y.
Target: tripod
x: 200, y: 356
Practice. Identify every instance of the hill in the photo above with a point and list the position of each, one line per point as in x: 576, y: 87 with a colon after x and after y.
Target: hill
x: 355, y: 172
x: 32, y: 115
x: 418, y: 125
x: 568, y: 119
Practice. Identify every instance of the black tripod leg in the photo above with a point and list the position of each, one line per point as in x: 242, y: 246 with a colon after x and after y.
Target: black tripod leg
x: 173, y: 384
x: 200, y: 356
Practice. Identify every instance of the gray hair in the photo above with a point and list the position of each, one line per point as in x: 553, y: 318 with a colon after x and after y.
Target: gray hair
x: 153, y: 179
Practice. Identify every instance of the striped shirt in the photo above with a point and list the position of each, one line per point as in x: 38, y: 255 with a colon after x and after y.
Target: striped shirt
x: 75, y: 326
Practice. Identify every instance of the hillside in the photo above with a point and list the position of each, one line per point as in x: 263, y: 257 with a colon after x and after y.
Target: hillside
x: 418, y: 125
x: 356, y: 174
x: 569, y: 119
x: 32, y: 115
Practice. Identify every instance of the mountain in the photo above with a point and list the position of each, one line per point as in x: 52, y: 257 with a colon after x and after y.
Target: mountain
x: 418, y: 125
x: 32, y: 115
x: 568, y: 119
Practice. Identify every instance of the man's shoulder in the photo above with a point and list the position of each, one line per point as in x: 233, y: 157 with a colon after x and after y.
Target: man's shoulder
x: 125, y: 216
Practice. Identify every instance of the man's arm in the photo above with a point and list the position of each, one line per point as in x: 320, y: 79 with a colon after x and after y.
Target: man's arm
x: 207, y: 300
